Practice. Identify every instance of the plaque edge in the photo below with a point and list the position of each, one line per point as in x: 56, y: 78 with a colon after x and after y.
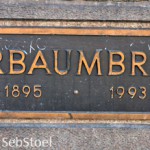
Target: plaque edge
x: 74, y: 31
x: 67, y: 114
x: 75, y: 115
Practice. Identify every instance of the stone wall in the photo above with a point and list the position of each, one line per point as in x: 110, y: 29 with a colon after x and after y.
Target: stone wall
x: 77, y: 134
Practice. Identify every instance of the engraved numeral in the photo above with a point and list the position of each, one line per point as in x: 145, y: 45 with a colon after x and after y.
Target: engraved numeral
x: 143, y: 92
x: 7, y: 90
x: 37, y: 91
x: 15, y: 91
x: 132, y: 91
x: 26, y: 90
x: 112, y: 92
x: 120, y: 91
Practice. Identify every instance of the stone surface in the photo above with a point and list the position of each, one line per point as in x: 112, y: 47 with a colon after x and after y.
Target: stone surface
x: 77, y: 134
x: 59, y: 23
x: 81, y: 136
x: 74, y: 10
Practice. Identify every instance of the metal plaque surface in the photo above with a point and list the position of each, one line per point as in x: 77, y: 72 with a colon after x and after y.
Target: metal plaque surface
x: 98, y: 71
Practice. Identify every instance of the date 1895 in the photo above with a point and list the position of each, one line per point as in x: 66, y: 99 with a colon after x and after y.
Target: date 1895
x: 16, y: 91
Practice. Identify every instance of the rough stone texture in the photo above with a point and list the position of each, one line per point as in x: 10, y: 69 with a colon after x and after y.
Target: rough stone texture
x: 96, y: 24
x: 77, y: 134
x: 81, y: 136
x: 74, y: 10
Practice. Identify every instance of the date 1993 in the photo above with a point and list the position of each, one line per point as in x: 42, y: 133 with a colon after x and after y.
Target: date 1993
x: 120, y: 91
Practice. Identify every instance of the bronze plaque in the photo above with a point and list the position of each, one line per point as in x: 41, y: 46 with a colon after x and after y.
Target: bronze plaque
x: 47, y: 72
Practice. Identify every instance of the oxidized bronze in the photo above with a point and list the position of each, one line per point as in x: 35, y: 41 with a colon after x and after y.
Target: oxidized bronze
x: 46, y: 70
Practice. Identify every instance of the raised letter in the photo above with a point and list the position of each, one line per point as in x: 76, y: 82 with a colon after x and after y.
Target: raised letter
x: 16, y: 62
x: 96, y: 59
x: 34, y: 65
x: 1, y: 57
x: 138, y: 64
x: 62, y: 72
x: 116, y: 63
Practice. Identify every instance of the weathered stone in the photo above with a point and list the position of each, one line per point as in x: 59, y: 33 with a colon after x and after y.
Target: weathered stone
x: 70, y: 10
x: 81, y: 136
x: 66, y: 135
